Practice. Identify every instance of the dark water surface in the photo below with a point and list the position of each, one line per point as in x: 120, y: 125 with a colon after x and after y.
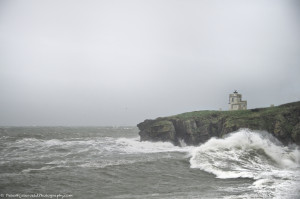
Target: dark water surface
x: 110, y: 162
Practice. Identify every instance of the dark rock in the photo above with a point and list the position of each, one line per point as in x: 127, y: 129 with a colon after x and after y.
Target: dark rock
x: 199, y: 126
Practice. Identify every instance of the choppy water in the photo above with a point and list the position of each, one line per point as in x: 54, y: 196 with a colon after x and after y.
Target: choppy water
x: 108, y: 162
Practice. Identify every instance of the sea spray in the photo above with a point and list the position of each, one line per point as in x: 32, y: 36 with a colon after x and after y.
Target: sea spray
x: 133, y: 145
x: 251, y: 154
x: 113, y: 163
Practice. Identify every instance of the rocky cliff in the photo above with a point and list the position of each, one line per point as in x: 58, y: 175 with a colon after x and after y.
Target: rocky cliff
x: 197, y: 127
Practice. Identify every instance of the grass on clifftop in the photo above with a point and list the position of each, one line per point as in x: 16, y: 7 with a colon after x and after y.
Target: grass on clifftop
x: 239, y: 114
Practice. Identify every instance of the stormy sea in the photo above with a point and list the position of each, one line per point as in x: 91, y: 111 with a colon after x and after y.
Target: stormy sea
x: 111, y: 162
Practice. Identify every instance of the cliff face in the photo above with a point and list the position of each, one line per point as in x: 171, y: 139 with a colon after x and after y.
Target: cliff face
x: 197, y: 127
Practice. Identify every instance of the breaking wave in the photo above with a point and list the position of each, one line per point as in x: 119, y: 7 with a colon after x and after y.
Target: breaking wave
x: 133, y: 145
x: 251, y: 154
x: 249, y: 164
x: 96, y: 152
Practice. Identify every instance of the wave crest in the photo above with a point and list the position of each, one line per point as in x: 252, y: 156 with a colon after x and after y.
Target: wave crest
x: 244, y: 154
x: 251, y: 154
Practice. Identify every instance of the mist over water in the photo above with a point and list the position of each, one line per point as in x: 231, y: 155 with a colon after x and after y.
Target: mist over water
x: 107, y: 162
x: 77, y: 62
x: 88, y: 63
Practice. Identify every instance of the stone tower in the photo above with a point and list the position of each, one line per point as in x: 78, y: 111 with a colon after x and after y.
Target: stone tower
x: 236, y: 103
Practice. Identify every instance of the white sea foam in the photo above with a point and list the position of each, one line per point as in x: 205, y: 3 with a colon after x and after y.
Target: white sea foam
x: 133, y: 145
x: 106, y: 163
x: 250, y: 154
x: 96, y: 152
x: 41, y: 169
x: 121, y: 145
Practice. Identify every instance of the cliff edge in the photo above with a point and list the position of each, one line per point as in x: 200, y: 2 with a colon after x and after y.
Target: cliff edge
x: 197, y: 127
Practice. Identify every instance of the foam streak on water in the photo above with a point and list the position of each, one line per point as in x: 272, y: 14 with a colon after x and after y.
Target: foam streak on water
x: 109, y: 162
x: 255, y: 155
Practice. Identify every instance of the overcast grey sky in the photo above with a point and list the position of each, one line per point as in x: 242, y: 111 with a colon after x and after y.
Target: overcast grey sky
x: 113, y: 62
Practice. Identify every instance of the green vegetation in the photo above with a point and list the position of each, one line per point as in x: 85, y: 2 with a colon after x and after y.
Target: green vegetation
x: 194, y: 127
